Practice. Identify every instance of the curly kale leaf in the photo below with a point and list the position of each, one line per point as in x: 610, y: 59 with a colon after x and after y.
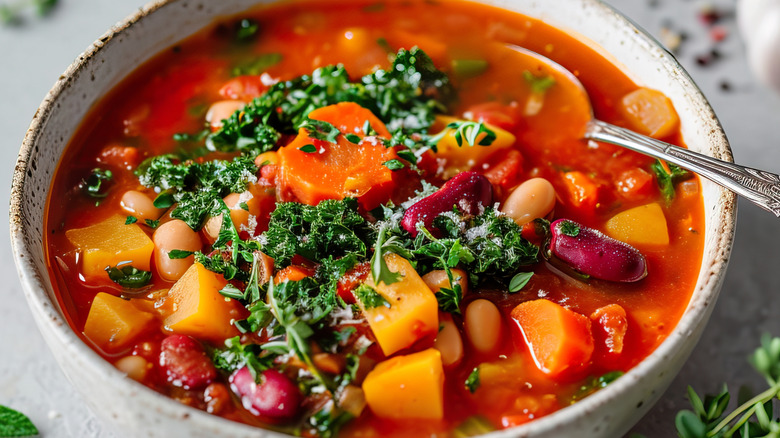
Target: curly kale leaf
x: 332, y: 228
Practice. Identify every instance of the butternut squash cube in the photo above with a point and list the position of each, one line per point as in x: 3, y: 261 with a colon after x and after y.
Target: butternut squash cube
x: 464, y: 158
x: 643, y: 225
x: 198, y: 307
x: 413, y: 312
x: 109, y: 243
x: 410, y: 386
x: 112, y: 322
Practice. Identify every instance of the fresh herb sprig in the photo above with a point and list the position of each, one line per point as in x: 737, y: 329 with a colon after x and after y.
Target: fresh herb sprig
x: 753, y: 418
x: 667, y: 177
x: 16, y: 424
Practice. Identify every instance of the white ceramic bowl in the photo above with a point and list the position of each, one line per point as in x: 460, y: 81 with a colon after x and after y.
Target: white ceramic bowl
x: 135, y: 411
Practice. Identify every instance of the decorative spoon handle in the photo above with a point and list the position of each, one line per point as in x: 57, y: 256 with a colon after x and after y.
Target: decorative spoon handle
x: 760, y: 187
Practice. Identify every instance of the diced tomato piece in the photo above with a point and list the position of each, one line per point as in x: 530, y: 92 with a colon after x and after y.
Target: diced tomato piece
x: 504, y: 170
x: 119, y: 156
x: 245, y: 88
x: 351, y: 280
x: 497, y: 114
x: 635, y: 184
x: 583, y: 191
x: 293, y: 273
x: 609, y: 328
x: 185, y: 363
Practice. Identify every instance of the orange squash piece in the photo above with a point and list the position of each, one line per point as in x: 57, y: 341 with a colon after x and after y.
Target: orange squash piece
x: 464, y: 157
x: 649, y: 112
x: 559, y: 339
x: 113, y: 323
x: 583, y: 192
x: 199, y: 309
x: 413, y: 313
x: 410, y: 386
x: 109, y: 243
x: 341, y: 169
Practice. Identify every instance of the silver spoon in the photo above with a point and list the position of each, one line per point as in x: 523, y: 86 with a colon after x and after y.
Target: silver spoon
x: 760, y: 187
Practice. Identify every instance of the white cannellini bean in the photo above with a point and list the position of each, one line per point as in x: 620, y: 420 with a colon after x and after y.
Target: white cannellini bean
x: 242, y: 219
x: 135, y: 367
x: 175, y: 234
x: 140, y: 205
x: 532, y: 199
x: 482, y: 321
x: 449, y: 342
x: 221, y: 110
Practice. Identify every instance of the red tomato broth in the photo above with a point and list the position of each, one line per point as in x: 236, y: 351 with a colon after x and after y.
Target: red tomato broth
x: 169, y: 94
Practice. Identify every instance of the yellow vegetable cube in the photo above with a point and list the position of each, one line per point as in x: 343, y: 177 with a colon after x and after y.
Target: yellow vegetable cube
x: 109, y: 243
x: 649, y: 112
x: 413, y: 312
x: 112, y: 323
x: 198, y: 307
x: 463, y: 158
x: 643, y: 225
x: 410, y: 386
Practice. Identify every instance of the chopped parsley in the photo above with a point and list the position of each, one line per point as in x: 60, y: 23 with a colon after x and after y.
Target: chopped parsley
x: 472, y: 382
x: 369, y: 297
x: 538, y: 84
x: 667, y: 179
x: 131, y: 220
x: 569, y: 228
x: 97, y: 183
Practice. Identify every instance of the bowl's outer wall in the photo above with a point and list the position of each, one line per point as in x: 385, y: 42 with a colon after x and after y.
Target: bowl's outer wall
x: 135, y: 411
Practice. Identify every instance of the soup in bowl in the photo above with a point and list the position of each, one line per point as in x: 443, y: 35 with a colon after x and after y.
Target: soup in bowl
x: 419, y: 243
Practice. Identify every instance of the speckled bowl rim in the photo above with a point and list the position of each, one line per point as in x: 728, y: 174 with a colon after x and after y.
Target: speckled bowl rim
x: 46, y: 312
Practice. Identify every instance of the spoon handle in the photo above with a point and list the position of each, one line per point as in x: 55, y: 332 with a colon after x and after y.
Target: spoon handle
x: 760, y: 187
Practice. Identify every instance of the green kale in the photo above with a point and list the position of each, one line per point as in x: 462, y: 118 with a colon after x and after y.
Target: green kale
x: 197, y: 188
x: 332, y: 228
x: 235, y: 356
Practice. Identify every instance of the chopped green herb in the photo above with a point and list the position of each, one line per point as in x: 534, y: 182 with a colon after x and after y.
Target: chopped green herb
x: 151, y: 223
x: 131, y: 220
x: 15, y: 424
x: 472, y: 382
x: 449, y: 299
x: 384, y: 45
x: 164, y: 200
x: 96, y: 184
x: 369, y: 297
x: 235, y: 355
x: 469, y: 68
x: 328, y: 421
x: 257, y: 65
x: 666, y: 180
x: 128, y: 276
x: 194, y: 138
x: 352, y: 138
x: 569, y: 228
x: 246, y: 30
x: 518, y: 282
x: 308, y: 148
x: 380, y: 272
x: 244, y: 206
x: 179, y: 254
x: 538, y: 84
x: 594, y: 384
x: 473, y: 426
x: 468, y: 131
x: 394, y: 164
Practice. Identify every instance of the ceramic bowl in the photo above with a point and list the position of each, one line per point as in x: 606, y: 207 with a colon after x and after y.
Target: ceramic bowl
x: 135, y: 411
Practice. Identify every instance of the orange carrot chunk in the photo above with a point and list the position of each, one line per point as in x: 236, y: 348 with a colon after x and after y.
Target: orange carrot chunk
x: 313, y: 170
x: 559, y: 339
x: 649, y: 112
x: 583, y: 192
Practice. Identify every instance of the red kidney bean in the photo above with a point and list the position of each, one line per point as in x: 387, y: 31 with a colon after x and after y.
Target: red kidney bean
x: 185, y: 363
x: 274, y: 397
x: 469, y: 191
x: 595, y: 254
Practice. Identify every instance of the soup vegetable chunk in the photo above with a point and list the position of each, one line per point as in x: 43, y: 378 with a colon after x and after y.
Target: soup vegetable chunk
x: 340, y: 220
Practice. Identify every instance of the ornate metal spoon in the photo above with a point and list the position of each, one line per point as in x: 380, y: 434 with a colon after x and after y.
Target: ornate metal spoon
x: 760, y: 187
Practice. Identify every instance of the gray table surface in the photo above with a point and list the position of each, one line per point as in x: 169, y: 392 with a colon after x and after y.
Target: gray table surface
x: 33, y: 55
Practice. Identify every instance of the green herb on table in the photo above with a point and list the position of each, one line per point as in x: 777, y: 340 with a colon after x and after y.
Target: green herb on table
x: 11, y: 13
x: 15, y: 424
x: 755, y: 417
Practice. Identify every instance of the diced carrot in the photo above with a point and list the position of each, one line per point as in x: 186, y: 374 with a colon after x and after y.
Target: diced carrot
x: 244, y: 88
x: 410, y: 386
x: 293, y: 273
x: 109, y: 243
x: 464, y: 157
x: 113, y: 323
x: 413, y: 313
x: 635, y: 184
x: 559, y: 339
x: 583, y: 192
x: 340, y: 169
x: 643, y: 225
x: 610, y: 328
x: 198, y: 307
x: 649, y: 112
